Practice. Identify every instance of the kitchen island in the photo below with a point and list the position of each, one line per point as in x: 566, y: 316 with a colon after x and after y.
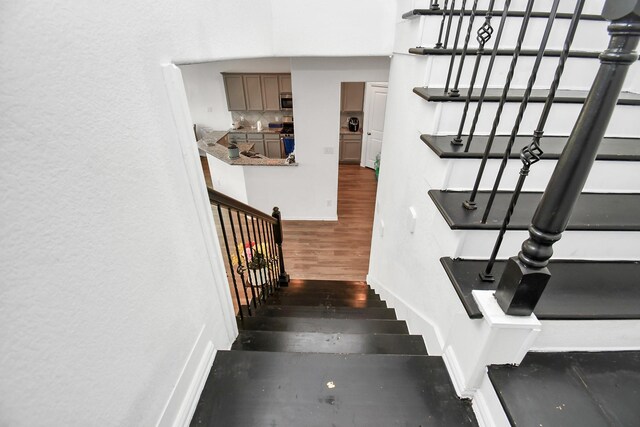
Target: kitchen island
x: 216, y: 145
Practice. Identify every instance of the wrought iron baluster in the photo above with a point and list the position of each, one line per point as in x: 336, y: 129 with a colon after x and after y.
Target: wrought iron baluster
x: 263, y: 238
x: 444, y: 18
x: 471, y: 204
x: 253, y: 291
x: 526, y: 275
x: 240, y: 267
x: 435, y: 5
x: 483, y: 36
x: 274, y: 254
x: 283, y: 279
x: 455, y: 46
x: 523, y: 106
x: 483, y: 91
x: 533, y: 152
x: 233, y: 274
x: 455, y: 92
x: 446, y: 37
x: 259, y: 272
x: 258, y: 289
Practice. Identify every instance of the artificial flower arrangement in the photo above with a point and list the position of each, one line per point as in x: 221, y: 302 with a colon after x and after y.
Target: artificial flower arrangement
x: 253, y: 256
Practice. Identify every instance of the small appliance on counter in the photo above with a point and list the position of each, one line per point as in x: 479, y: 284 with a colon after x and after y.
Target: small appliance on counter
x: 286, y: 101
x: 354, y: 124
x: 259, y: 126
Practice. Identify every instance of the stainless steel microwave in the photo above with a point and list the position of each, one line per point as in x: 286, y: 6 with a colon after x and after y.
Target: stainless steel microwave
x: 286, y: 101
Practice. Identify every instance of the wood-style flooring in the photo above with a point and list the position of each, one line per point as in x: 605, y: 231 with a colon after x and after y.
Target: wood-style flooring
x: 337, y: 250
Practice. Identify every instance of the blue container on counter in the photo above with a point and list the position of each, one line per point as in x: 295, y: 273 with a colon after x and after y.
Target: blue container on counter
x: 289, y: 145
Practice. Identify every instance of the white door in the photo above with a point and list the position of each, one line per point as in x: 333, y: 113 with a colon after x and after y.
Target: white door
x: 375, y: 104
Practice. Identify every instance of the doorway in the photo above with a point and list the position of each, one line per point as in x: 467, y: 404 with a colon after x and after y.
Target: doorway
x: 375, y: 105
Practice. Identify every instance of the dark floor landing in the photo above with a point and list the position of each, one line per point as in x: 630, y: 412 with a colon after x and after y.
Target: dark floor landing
x: 610, y: 148
x: 571, y: 389
x: 300, y: 389
x: 577, y: 290
x: 593, y: 211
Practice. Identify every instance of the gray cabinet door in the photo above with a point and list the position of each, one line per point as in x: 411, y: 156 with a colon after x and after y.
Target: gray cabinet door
x: 352, y: 97
x: 234, y: 88
x: 285, y: 82
x: 253, y: 92
x: 270, y: 92
x: 258, y: 146
x: 273, y: 147
x: 350, y: 148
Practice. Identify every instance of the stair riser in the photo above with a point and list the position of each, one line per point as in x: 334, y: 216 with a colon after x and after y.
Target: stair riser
x: 315, y: 302
x: 443, y: 118
x: 591, y: 35
x: 579, y: 73
x: 588, y: 335
x: 606, y: 176
x: 327, y: 313
x: 301, y: 324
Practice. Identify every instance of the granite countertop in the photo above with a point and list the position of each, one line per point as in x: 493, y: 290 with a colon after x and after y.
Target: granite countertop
x: 249, y: 130
x: 346, y: 131
x: 210, y: 146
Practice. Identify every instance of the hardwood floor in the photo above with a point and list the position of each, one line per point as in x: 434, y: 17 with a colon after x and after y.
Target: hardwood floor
x: 335, y: 250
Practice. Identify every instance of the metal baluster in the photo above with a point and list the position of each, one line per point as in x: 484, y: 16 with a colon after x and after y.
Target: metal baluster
x: 255, y: 276
x: 526, y: 275
x: 283, y: 279
x: 446, y: 37
x: 435, y: 5
x: 523, y: 106
x: 240, y: 266
x: 233, y: 274
x: 259, y: 273
x: 532, y: 153
x: 483, y: 36
x: 266, y: 255
x: 444, y: 18
x: 274, y: 255
x: 253, y: 291
x: 471, y: 204
x: 455, y: 46
x: 487, y: 76
x: 455, y: 92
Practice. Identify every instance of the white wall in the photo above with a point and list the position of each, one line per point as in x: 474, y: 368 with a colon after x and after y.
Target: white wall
x: 109, y: 287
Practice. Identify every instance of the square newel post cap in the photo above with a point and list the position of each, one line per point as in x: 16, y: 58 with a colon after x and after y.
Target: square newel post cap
x: 618, y: 9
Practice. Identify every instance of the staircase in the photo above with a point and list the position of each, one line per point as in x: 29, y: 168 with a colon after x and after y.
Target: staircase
x: 322, y: 353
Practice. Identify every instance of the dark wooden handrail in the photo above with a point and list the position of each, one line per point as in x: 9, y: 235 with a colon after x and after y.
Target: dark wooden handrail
x: 219, y: 199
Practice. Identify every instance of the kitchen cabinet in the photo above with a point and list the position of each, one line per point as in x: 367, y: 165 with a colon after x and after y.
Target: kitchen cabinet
x: 284, y: 82
x: 352, y: 97
x: 234, y: 88
x: 273, y: 146
x: 253, y: 92
x: 350, y: 148
x: 270, y: 92
x: 258, y: 142
x: 237, y: 137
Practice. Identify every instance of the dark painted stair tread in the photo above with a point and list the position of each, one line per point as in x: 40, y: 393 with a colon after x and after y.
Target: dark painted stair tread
x: 318, y: 390
x: 311, y: 324
x: 498, y: 13
x: 501, y: 52
x: 574, y: 292
x: 327, y: 312
x: 326, y: 284
x: 593, y: 211
x: 564, y: 96
x: 571, y: 389
x: 610, y: 148
x: 316, y: 342
x: 363, y: 293
x: 314, y: 301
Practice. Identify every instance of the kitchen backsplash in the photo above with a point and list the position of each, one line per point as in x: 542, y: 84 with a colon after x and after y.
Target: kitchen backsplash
x: 252, y: 117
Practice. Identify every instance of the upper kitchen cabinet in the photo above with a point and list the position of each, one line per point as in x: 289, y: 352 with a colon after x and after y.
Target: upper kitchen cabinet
x: 270, y: 92
x: 253, y: 92
x: 352, y: 97
x: 234, y: 88
x: 285, y: 82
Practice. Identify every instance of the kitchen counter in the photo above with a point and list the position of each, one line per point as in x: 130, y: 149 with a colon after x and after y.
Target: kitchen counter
x: 346, y: 131
x: 249, y: 130
x: 210, y: 146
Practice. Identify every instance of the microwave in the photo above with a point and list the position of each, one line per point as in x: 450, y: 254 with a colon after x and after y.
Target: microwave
x: 286, y: 101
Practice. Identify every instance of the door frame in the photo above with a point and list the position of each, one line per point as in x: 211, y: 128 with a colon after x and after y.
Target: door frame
x: 368, y: 104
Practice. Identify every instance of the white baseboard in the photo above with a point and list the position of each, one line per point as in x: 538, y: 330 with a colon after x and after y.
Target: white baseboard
x: 487, y: 406
x: 181, y: 405
x: 455, y: 373
x: 417, y: 323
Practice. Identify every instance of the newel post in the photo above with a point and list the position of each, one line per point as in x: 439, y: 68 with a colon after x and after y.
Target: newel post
x: 283, y: 278
x: 526, y: 275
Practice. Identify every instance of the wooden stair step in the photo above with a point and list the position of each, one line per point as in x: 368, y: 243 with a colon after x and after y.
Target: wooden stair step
x: 326, y: 312
x: 414, y: 13
x: 313, y: 324
x: 326, y: 284
x: 314, y: 301
x: 501, y: 52
x: 575, y: 290
x: 571, y: 389
x: 367, y: 294
x: 296, y: 389
x: 316, y: 342
x: 610, y: 148
x: 593, y: 211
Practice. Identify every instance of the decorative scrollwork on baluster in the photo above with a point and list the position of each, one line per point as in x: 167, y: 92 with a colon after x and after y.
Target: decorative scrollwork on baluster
x: 532, y: 153
x: 240, y: 269
x: 484, y: 32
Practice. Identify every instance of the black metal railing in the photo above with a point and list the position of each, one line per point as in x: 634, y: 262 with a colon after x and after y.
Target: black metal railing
x: 252, y: 244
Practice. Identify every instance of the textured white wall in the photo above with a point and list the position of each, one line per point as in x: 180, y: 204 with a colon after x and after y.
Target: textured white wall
x: 106, y: 281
